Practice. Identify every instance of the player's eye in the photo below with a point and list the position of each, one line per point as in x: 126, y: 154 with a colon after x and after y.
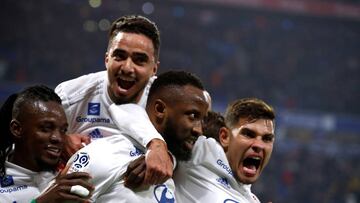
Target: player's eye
x: 119, y: 55
x: 140, y: 59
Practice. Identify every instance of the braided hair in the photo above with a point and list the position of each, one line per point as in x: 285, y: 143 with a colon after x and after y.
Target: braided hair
x: 6, y: 139
x: 12, y: 109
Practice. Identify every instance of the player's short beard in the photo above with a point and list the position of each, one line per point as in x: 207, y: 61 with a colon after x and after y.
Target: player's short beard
x: 175, y: 146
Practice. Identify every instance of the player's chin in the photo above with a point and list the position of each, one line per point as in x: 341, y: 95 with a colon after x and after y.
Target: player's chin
x: 246, y: 178
x: 48, y: 164
x: 182, y: 154
x: 124, y: 96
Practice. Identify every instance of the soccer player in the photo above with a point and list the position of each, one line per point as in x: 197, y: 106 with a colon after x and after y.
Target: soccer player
x: 176, y: 106
x: 35, y: 123
x: 131, y: 61
x: 224, y: 166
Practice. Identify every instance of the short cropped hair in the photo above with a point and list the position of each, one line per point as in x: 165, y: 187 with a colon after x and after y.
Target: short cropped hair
x: 139, y: 25
x: 212, y: 124
x: 174, y: 78
x: 251, y: 108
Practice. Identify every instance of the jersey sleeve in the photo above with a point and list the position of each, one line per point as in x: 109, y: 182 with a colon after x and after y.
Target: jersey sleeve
x: 103, y: 161
x: 145, y: 93
x: 133, y: 120
x: 60, y: 91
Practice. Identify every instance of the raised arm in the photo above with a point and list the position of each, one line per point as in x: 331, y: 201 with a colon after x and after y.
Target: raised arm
x: 133, y: 120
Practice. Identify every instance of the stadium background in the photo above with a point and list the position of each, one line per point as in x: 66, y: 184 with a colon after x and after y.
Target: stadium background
x: 301, y: 56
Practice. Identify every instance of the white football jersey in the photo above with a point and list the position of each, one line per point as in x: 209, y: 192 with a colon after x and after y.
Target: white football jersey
x: 207, y: 177
x: 22, y: 185
x: 106, y: 160
x: 86, y: 103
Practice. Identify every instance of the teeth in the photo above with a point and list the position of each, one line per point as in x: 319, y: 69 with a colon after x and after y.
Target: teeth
x: 53, y: 149
x: 127, y: 79
x: 191, y: 140
x: 256, y: 158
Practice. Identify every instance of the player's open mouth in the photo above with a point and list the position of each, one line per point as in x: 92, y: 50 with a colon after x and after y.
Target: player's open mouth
x: 53, y: 150
x: 190, y: 141
x: 125, y: 83
x: 251, y: 164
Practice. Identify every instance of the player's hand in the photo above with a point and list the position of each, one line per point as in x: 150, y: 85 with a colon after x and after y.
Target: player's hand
x: 135, y: 173
x: 61, y: 189
x: 74, y: 142
x: 159, y: 166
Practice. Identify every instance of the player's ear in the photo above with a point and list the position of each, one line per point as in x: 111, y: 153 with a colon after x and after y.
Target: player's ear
x: 16, y: 129
x: 155, y: 68
x: 160, y: 109
x: 106, y: 58
x: 224, y: 137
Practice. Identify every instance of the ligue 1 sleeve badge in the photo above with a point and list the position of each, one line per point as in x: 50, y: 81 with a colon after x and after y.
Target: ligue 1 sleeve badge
x: 80, y: 162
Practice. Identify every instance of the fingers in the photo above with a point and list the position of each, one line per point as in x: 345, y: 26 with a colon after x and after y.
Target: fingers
x: 75, y: 178
x: 135, y: 173
x: 156, y: 176
x: 68, y: 187
x: 74, y: 142
x: 85, y: 139
x: 159, y: 167
x: 77, y: 175
x: 136, y: 166
x: 73, y: 197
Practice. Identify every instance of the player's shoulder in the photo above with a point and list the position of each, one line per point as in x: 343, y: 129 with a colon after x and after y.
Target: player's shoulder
x: 78, y: 88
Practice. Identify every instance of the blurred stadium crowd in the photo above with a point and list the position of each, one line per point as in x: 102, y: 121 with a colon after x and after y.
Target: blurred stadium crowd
x: 307, y: 66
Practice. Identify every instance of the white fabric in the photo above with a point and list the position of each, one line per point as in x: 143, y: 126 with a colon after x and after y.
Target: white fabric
x: 133, y: 120
x: 26, y: 186
x: 106, y: 160
x: 86, y: 103
x: 207, y: 177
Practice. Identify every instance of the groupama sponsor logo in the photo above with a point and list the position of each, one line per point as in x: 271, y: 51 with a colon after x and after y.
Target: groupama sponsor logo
x: 80, y: 119
x: 224, y: 166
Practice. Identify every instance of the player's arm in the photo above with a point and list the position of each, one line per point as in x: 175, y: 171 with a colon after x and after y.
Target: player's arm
x: 73, y: 143
x: 135, y: 173
x: 132, y: 119
x: 67, y: 186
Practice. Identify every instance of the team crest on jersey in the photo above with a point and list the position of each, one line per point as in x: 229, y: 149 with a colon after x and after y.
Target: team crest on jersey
x: 6, y: 181
x: 230, y: 201
x: 163, y: 194
x: 80, y: 162
x: 93, y: 109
